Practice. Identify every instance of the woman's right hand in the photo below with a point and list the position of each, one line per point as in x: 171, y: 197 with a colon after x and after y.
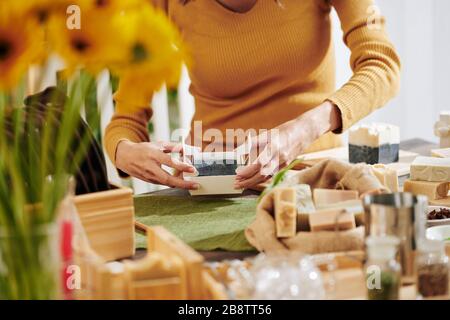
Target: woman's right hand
x: 144, y: 160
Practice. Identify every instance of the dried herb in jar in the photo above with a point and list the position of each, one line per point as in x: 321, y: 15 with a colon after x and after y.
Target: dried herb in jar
x: 389, y: 287
x: 433, y: 280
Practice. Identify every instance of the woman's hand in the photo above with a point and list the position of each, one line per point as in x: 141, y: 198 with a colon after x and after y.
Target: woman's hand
x: 144, y: 161
x: 278, y: 147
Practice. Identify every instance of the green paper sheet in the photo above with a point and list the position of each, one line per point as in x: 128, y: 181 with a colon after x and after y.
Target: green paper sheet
x: 204, y: 223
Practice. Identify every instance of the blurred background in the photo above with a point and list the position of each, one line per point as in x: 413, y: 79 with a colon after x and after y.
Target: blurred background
x: 420, y: 31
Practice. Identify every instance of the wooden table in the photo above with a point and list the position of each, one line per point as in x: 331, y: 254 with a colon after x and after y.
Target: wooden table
x: 414, y: 145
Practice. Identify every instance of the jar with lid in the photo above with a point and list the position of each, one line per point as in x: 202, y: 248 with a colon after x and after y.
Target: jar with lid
x: 383, y: 271
x: 432, y: 269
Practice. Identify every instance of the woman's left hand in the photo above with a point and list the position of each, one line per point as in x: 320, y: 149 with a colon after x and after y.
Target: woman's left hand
x: 278, y: 147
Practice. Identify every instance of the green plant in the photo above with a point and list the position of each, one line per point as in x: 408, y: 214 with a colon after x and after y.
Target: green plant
x: 39, y: 149
x: 34, y: 169
x: 279, y: 177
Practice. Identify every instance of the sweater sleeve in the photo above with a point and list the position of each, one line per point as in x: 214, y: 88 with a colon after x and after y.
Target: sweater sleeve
x: 130, y: 118
x: 374, y: 61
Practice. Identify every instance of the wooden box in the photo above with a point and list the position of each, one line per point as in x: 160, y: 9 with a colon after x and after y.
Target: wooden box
x: 108, y: 219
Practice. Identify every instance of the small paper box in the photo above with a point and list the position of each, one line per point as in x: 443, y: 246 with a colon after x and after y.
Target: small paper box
x: 215, y: 172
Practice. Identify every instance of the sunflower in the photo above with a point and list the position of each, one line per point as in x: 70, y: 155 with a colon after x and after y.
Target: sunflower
x: 21, y: 44
x: 109, y: 5
x: 95, y: 46
x: 37, y: 9
x: 155, y: 50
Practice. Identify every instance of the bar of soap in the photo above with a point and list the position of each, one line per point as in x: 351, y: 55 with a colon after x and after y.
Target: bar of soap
x: 431, y: 169
x: 329, y: 196
x: 215, y: 164
x: 441, y: 153
x: 304, y: 200
x: 305, y: 206
x: 374, y: 143
x: 331, y: 220
x: 387, y: 177
x: 433, y: 190
x: 285, y: 208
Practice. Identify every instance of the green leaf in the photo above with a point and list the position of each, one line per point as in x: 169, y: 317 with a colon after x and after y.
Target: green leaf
x: 279, y: 177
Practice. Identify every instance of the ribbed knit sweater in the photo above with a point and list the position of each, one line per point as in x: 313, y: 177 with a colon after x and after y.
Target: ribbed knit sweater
x: 269, y: 65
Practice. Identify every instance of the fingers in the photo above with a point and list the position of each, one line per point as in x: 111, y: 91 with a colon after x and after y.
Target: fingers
x: 261, y: 162
x: 172, y: 147
x: 176, y: 182
x: 155, y: 174
x: 251, y: 182
x: 176, y: 164
x: 243, y: 173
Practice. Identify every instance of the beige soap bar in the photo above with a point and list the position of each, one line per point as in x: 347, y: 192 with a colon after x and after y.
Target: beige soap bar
x: 330, y: 220
x: 387, y: 177
x: 431, y: 169
x: 328, y: 196
x: 285, y: 212
x: 433, y: 190
x: 441, y: 153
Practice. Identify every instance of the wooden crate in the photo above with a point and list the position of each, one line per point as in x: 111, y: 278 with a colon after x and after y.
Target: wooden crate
x: 161, y: 240
x: 108, y: 219
x: 177, y: 274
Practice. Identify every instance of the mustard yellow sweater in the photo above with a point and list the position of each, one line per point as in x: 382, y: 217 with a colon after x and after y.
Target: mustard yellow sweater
x: 269, y: 65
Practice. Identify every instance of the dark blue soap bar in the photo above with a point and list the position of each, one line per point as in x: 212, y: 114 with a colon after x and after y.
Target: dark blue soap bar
x: 386, y: 153
x: 216, y: 168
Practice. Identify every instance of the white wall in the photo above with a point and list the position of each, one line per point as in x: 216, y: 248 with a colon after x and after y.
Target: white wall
x: 420, y: 30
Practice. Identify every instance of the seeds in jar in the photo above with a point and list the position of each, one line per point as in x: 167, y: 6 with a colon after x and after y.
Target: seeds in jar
x: 433, y: 280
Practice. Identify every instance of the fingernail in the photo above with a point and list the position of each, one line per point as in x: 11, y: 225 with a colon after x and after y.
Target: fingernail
x: 196, y: 186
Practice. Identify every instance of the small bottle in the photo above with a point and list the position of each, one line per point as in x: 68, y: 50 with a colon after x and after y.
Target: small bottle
x: 383, y: 271
x: 432, y: 269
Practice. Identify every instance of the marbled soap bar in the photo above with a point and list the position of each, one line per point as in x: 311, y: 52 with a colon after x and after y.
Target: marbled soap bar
x: 304, y: 200
x: 374, y: 143
x: 285, y: 212
x: 431, y: 169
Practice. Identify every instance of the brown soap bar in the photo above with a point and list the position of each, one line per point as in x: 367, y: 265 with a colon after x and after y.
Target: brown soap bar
x: 433, y: 190
x: 323, y: 197
x: 285, y: 212
x: 326, y: 220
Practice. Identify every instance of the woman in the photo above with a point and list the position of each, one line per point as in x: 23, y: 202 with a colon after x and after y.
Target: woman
x: 264, y: 64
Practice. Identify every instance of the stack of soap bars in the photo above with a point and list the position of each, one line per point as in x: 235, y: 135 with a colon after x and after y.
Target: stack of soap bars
x: 298, y: 209
x: 430, y: 176
x: 374, y: 143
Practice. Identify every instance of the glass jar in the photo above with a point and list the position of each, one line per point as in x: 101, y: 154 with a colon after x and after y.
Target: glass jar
x: 432, y: 269
x: 29, y: 263
x: 383, y: 271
